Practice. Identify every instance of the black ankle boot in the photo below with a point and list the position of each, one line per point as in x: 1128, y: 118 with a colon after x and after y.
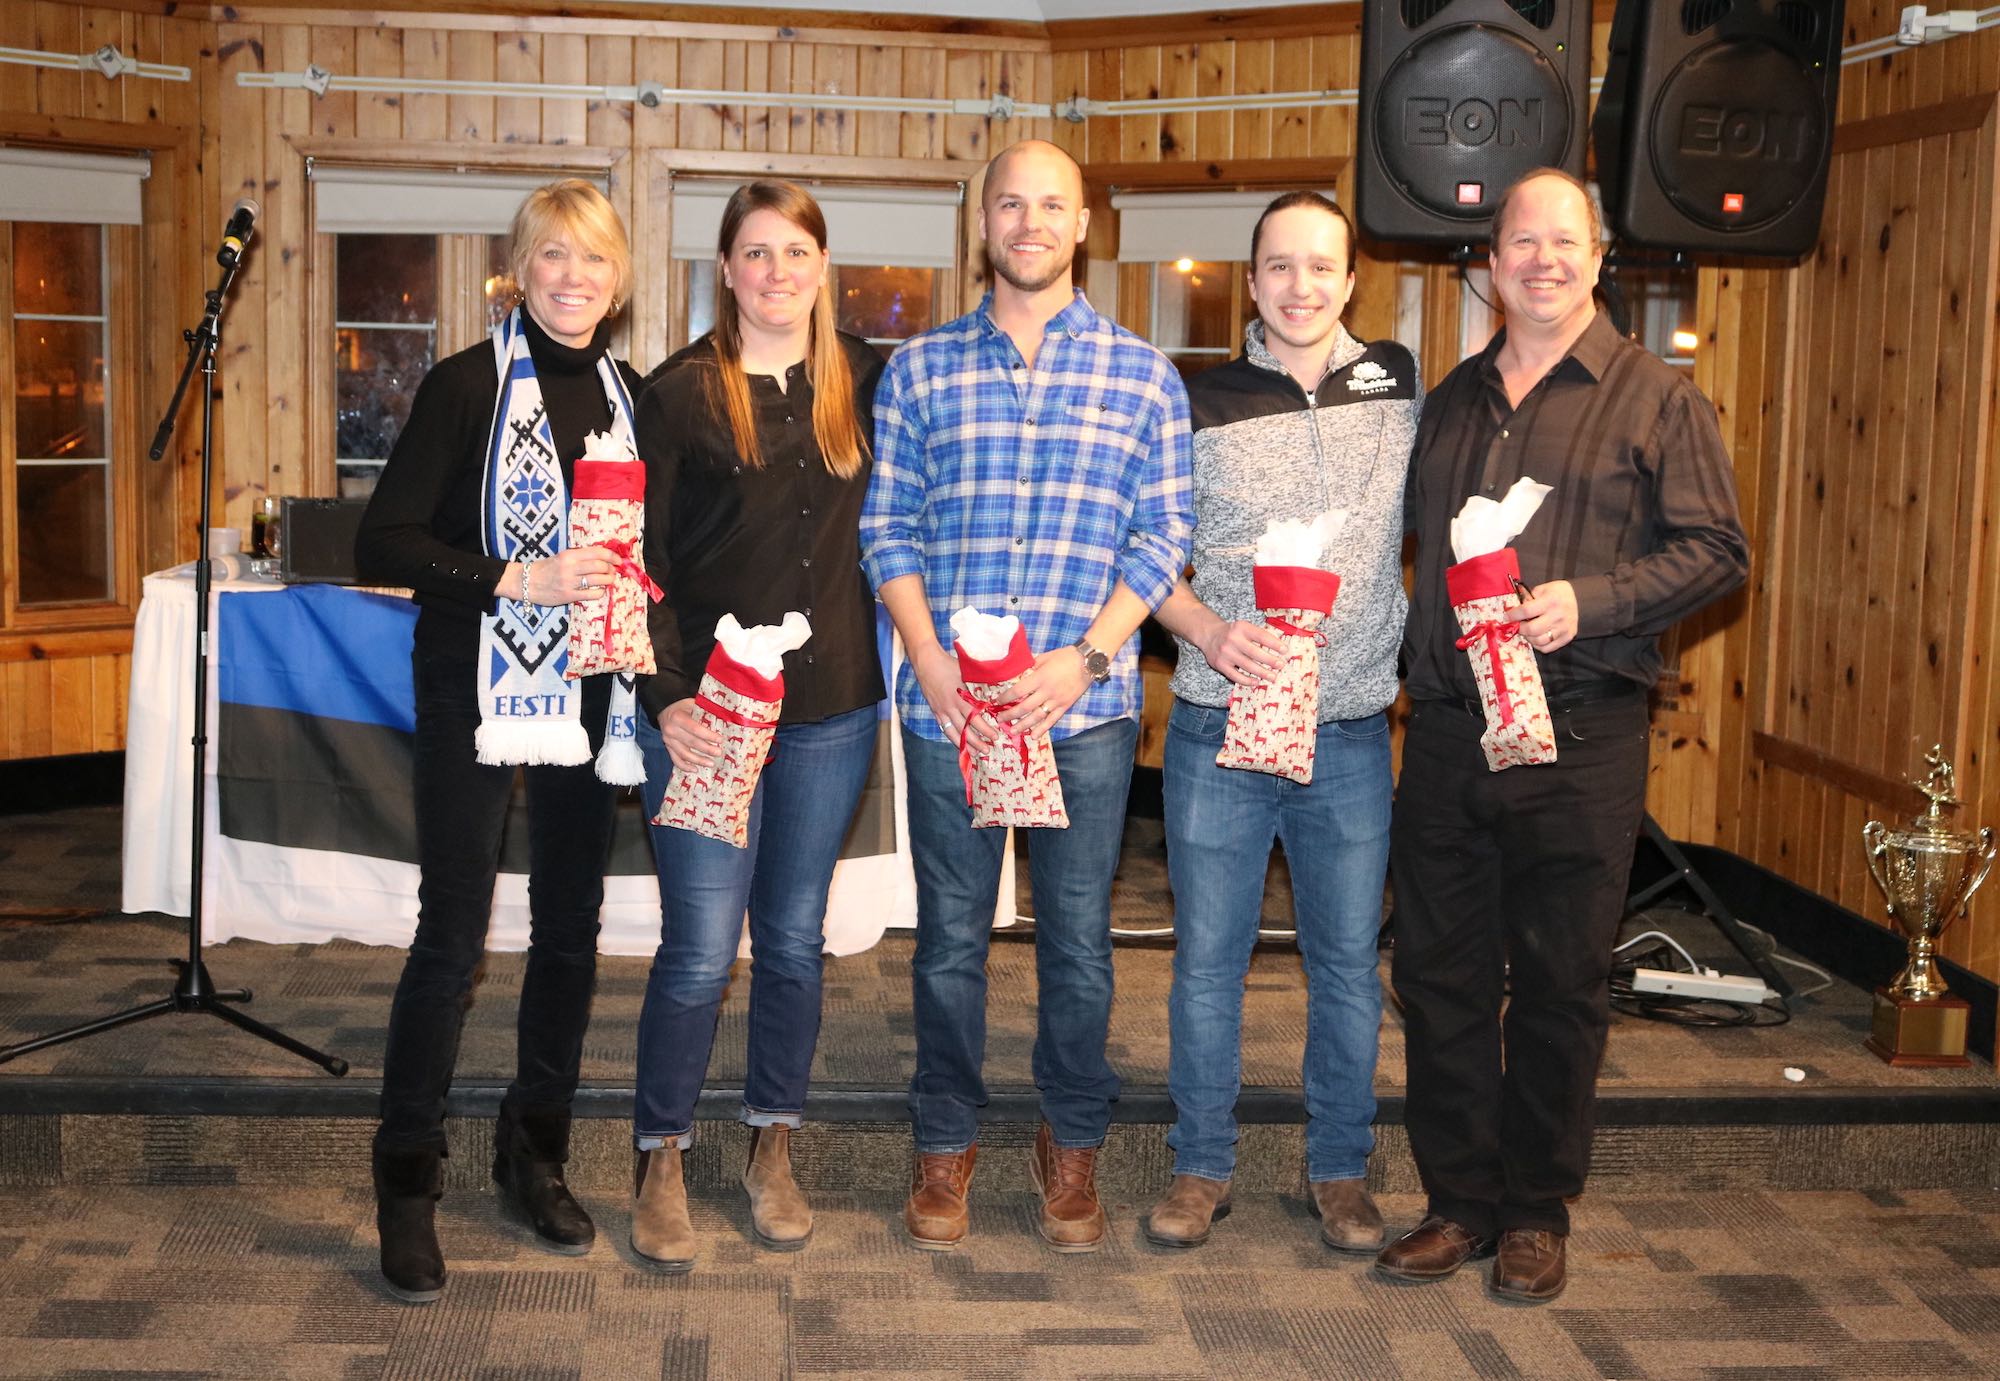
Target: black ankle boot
x: 408, y: 1184
x: 529, y: 1148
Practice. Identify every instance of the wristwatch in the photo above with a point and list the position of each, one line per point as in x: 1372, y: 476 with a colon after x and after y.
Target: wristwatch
x: 1094, y: 662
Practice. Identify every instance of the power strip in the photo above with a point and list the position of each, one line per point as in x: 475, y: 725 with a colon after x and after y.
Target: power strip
x: 1712, y: 987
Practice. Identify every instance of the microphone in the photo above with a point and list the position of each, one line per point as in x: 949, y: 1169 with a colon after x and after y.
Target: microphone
x: 236, y: 235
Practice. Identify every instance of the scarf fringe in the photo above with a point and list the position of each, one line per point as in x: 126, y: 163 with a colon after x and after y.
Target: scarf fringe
x: 499, y: 744
x: 620, y: 763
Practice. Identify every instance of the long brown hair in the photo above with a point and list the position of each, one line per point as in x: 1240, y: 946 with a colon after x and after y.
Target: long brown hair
x: 727, y: 388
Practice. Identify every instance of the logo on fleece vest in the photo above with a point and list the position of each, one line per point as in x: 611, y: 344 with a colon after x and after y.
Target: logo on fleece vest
x: 1369, y: 377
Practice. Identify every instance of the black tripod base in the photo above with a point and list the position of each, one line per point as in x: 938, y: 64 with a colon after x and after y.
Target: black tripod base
x: 193, y: 992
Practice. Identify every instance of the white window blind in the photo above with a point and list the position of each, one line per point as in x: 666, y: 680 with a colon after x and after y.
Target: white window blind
x: 420, y: 201
x: 72, y: 188
x: 907, y: 227
x: 1212, y: 227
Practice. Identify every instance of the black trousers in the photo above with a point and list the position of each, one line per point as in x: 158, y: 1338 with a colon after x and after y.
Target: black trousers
x: 461, y: 807
x: 1510, y: 885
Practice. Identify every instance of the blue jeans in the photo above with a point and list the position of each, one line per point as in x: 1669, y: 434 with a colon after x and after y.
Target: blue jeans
x: 805, y: 801
x: 1220, y: 823
x: 958, y: 876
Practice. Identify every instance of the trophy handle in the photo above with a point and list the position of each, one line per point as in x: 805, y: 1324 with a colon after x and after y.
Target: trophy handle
x: 1874, y: 834
x: 1986, y: 852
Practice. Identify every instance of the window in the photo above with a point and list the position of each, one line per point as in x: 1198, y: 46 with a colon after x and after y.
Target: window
x: 419, y: 261
x: 62, y: 416
x: 1660, y: 300
x: 67, y: 232
x: 885, y: 306
x: 914, y: 229
x: 1200, y: 307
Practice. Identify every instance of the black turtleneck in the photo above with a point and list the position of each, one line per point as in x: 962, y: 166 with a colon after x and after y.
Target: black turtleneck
x: 422, y: 525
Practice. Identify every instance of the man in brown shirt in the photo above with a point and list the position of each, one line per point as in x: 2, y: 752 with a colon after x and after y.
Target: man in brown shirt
x: 1511, y: 884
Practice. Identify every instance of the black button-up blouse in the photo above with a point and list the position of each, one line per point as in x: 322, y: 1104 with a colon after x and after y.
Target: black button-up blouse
x: 726, y: 537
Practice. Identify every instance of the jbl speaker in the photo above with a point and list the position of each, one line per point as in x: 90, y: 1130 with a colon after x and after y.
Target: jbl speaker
x: 1459, y: 98
x: 1715, y: 125
x: 317, y: 541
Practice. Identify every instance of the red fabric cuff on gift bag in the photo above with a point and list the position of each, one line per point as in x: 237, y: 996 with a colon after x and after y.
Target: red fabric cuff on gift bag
x: 1482, y: 577
x: 1017, y: 660
x: 744, y: 680
x: 609, y: 479
x: 1294, y: 587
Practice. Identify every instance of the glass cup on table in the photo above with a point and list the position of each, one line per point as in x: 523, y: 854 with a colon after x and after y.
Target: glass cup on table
x: 267, y: 537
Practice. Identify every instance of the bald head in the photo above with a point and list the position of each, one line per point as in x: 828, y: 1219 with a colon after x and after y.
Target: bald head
x: 1032, y: 217
x: 1033, y: 161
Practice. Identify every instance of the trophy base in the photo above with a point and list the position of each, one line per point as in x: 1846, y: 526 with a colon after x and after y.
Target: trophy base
x: 1919, y: 1033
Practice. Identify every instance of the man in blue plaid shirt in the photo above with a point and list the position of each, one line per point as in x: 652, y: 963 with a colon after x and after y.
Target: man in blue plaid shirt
x: 1031, y: 458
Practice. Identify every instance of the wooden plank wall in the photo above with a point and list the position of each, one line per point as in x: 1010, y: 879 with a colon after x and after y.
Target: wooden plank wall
x: 64, y: 691
x: 1874, y: 604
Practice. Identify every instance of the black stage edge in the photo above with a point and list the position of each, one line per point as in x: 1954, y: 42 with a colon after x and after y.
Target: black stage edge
x: 54, y: 1095
x: 1851, y: 947
x: 29, y: 786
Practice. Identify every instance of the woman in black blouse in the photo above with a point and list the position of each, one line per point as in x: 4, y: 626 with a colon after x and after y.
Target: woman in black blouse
x: 755, y: 441
x: 470, y: 512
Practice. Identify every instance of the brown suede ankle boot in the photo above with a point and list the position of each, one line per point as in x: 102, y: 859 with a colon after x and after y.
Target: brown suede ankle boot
x: 662, y: 1235
x: 780, y: 1217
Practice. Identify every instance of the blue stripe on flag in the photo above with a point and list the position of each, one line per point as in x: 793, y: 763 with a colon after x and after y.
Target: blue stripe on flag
x: 318, y: 650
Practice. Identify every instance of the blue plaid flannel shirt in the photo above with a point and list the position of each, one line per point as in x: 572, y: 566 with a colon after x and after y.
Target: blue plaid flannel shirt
x: 1031, y: 491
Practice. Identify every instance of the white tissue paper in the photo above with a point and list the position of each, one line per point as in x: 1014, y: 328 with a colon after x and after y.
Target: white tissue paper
x: 1483, y: 526
x: 1295, y: 542
x: 763, y: 647
x: 985, y: 637
x: 605, y: 446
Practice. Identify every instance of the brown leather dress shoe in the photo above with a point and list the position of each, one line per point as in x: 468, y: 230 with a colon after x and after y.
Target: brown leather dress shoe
x: 1530, y: 1266
x: 1348, y: 1218
x: 1184, y: 1213
x: 1431, y: 1250
x: 1072, y: 1219
x: 936, y: 1215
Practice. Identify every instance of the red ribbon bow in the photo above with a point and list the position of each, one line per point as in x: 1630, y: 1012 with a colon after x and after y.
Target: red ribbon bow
x: 627, y: 566
x: 1006, y: 731
x: 1495, y: 631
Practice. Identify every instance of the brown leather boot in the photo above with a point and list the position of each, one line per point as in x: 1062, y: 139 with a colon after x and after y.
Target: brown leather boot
x: 1184, y: 1213
x: 1348, y: 1218
x: 1072, y: 1219
x: 936, y: 1215
x: 1530, y: 1266
x: 662, y: 1235
x: 780, y: 1217
x: 1431, y: 1250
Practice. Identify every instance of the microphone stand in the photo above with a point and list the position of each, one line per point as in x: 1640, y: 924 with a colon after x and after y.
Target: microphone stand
x: 194, y: 991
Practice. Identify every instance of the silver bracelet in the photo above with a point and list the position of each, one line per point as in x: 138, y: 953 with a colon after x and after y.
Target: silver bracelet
x: 527, y: 568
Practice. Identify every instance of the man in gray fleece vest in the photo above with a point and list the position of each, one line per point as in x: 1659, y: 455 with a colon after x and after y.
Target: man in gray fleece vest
x: 1305, y: 421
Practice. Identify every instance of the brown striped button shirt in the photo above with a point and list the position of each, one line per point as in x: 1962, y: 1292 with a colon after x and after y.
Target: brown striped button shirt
x: 1643, y: 520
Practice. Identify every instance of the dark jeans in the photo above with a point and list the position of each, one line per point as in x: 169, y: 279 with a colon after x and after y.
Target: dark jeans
x: 799, y: 816
x: 461, y: 806
x: 1510, y: 885
x: 958, y: 876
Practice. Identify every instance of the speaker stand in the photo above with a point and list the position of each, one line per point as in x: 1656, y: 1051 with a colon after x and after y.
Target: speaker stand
x: 1681, y: 873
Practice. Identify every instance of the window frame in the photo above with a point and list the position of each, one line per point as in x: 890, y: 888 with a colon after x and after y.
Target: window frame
x: 461, y: 313
x: 124, y: 379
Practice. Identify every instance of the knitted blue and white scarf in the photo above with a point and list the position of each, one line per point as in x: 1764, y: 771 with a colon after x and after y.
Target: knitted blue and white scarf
x: 528, y: 710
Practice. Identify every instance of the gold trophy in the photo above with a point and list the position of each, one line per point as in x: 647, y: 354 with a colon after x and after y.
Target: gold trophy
x: 1927, y: 872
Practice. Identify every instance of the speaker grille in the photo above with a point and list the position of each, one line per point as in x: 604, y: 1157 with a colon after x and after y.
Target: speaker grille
x: 1697, y: 15
x: 1798, y: 19
x: 1540, y: 13
x: 1417, y: 13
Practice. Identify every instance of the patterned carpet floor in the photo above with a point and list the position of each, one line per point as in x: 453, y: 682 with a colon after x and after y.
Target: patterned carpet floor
x: 275, y: 1283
